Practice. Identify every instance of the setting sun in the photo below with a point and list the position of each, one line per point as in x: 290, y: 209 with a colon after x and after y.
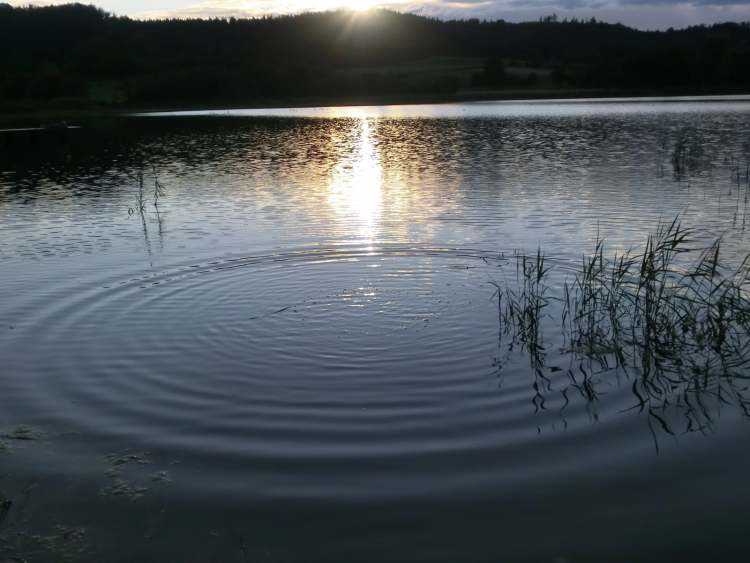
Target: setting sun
x: 360, y: 5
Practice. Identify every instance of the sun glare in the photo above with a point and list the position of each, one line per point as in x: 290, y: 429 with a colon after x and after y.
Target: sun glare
x: 356, y: 185
x: 361, y: 5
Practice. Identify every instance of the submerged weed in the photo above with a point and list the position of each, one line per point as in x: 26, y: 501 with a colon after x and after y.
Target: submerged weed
x: 124, y: 488
x: 119, y: 486
x: 5, y: 505
x: 64, y: 543
x: 129, y: 487
x: 20, y: 434
x: 160, y: 477
x: 687, y: 153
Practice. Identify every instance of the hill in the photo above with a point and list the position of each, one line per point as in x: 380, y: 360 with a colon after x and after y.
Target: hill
x: 82, y: 53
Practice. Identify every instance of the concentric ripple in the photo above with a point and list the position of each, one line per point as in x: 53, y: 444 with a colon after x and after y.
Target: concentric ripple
x: 306, y: 391
x: 304, y: 362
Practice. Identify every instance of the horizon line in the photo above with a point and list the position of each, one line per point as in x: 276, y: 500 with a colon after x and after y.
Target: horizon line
x: 181, y: 15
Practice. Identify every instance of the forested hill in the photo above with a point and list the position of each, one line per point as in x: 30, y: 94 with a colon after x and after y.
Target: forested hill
x: 80, y: 52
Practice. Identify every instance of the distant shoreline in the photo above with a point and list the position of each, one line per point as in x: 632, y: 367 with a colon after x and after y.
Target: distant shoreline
x: 463, y: 96
x: 65, y: 61
x: 27, y: 112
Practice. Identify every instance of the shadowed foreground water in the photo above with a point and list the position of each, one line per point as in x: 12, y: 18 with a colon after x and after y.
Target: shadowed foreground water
x: 296, y: 354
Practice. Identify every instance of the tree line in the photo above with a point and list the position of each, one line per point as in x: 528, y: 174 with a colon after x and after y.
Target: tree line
x: 78, y: 51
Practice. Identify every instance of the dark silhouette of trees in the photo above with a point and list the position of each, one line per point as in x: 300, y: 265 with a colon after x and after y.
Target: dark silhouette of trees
x: 493, y: 74
x: 78, y: 51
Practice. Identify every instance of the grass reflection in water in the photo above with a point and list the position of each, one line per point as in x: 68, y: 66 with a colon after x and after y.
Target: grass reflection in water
x: 673, y: 318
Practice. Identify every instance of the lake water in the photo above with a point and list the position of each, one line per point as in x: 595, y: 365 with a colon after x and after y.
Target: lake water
x: 296, y: 355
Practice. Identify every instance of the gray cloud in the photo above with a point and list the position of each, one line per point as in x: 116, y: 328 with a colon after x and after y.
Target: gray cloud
x: 644, y: 14
x: 684, y: 2
x: 564, y: 4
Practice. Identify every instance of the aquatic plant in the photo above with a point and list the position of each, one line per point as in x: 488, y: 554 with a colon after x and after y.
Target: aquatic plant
x: 5, y: 505
x: 673, y: 317
x: 62, y: 543
x: 521, y: 313
x: 687, y: 153
x: 740, y: 176
x: 21, y: 433
x: 140, y: 201
x: 157, y: 193
x: 648, y: 310
x: 128, y: 487
x: 525, y: 306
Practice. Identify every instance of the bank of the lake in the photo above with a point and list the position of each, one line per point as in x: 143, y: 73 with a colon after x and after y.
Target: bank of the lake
x: 34, y: 112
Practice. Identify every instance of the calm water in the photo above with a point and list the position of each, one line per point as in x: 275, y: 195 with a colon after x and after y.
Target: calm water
x: 296, y: 355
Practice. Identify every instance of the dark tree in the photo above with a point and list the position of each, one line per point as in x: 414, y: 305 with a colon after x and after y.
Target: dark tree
x: 80, y: 51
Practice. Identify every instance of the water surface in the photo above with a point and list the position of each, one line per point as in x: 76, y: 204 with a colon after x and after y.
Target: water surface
x: 302, y: 340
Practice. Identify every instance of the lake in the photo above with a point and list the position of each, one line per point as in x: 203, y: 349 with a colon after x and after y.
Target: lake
x: 282, y: 335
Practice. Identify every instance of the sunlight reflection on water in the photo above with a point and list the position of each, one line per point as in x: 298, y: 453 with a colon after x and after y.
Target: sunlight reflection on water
x: 307, y: 332
x: 355, y: 185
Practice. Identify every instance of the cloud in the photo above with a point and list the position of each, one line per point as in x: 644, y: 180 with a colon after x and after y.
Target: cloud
x: 684, y: 3
x: 208, y: 9
x: 644, y: 14
x: 240, y: 8
x: 564, y: 4
x: 35, y: 2
x: 683, y: 10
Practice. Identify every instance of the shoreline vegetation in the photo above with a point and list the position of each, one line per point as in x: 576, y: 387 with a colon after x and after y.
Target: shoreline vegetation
x: 74, y: 108
x: 74, y: 59
x: 672, y: 316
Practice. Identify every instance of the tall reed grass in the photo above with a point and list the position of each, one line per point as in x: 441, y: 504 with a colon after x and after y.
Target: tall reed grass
x: 673, y: 316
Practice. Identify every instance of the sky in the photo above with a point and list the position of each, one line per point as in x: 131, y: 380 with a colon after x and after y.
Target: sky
x: 643, y: 14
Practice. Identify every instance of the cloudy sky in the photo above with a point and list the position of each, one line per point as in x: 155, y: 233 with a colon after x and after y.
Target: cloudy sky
x: 644, y: 14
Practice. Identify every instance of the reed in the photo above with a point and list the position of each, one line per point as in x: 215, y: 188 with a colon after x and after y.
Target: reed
x: 687, y: 153
x: 652, y: 308
x: 525, y: 306
x: 157, y: 193
x: 522, y: 312
x: 672, y: 316
x: 158, y: 190
x: 140, y: 198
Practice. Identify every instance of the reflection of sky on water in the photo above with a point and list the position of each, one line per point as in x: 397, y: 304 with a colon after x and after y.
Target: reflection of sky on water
x: 296, y: 323
x: 583, y: 107
x: 523, y: 175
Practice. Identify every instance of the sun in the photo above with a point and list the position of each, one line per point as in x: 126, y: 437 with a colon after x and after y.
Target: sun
x: 360, y: 5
